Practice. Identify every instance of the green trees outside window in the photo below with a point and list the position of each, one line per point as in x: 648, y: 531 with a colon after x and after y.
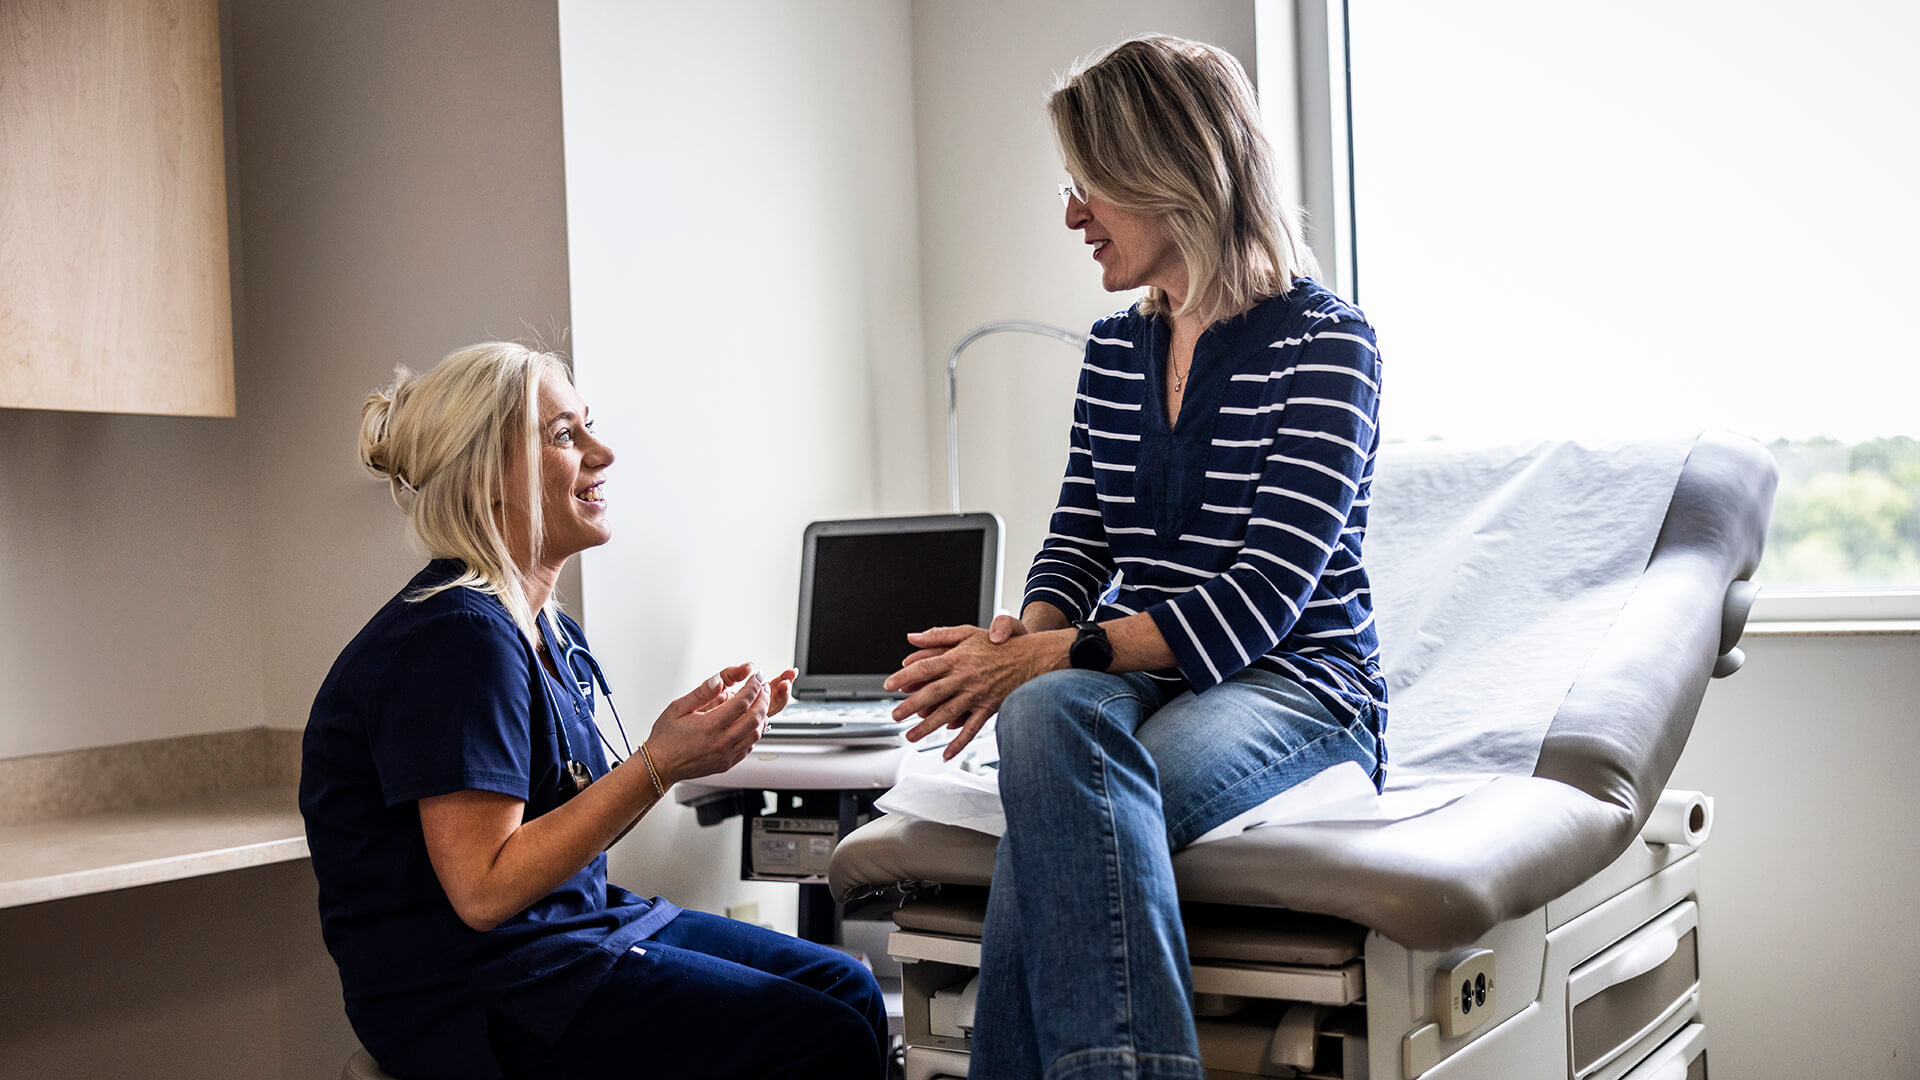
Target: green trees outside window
x: 1847, y: 515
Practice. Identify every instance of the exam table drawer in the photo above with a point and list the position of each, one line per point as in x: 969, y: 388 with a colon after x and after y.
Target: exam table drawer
x: 1683, y: 1057
x: 1331, y: 986
x: 1621, y: 995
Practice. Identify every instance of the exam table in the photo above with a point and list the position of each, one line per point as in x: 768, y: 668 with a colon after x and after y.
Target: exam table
x: 1535, y: 926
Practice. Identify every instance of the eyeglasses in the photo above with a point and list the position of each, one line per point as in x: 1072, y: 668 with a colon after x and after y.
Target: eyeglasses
x: 1072, y: 190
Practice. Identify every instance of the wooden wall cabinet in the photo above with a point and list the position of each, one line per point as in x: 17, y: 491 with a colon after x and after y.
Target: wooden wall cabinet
x: 114, y: 287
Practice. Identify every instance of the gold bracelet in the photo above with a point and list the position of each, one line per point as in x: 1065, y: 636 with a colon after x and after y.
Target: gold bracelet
x: 647, y: 759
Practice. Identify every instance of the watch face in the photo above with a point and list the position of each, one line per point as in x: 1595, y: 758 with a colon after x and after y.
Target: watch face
x: 1091, y: 651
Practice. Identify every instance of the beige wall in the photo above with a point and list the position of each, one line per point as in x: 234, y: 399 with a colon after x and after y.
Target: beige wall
x: 176, y: 981
x: 398, y: 193
x: 128, y: 574
x: 128, y: 579
x: 401, y: 195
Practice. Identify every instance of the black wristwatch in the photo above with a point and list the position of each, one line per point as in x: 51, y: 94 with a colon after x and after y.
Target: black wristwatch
x: 1091, y: 651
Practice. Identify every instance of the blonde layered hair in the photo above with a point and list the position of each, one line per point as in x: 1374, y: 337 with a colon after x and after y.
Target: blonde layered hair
x: 1163, y: 126
x: 444, y: 442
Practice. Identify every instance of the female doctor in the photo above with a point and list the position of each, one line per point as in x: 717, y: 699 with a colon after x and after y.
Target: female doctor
x: 1197, y: 634
x: 459, y: 806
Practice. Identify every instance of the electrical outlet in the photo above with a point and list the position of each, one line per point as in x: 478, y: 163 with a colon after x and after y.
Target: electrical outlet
x: 746, y: 912
x: 1463, y: 991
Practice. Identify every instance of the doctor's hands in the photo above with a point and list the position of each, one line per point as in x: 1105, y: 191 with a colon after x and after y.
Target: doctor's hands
x: 734, y: 681
x: 961, y: 674
x: 782, y: 687
x: 710, y: 728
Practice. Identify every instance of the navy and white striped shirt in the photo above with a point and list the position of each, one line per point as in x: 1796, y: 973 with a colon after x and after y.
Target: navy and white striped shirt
x: 1239, y: 530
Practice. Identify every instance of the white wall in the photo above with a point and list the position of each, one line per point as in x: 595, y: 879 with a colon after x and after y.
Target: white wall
x: 1811, y: 950
x: 740, y: 197
x: 762, y: 201
x: 994, y: 242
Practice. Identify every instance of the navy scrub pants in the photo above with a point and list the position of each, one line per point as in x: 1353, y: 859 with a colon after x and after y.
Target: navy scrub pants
x: 708, y: 997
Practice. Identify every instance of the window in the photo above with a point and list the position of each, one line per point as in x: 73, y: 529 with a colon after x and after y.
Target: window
x: 1631, y: 219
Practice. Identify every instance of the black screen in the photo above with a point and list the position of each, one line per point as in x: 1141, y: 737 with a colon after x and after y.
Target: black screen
x: 870, y: 591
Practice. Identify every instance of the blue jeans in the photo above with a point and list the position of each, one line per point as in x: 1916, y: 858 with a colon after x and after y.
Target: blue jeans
x: 1083, y: 962
x: 709, y: 998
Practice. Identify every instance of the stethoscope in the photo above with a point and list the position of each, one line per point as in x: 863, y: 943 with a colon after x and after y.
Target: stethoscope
x: 574, y: 775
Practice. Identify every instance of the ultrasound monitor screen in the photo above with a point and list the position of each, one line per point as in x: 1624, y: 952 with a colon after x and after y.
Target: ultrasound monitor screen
x: 870, y: 591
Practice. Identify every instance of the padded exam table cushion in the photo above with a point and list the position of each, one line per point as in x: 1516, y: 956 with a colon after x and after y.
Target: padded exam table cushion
x: 1444, y: 878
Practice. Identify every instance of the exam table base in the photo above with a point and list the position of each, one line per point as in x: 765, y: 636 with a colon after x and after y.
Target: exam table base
x: 1602, y: 984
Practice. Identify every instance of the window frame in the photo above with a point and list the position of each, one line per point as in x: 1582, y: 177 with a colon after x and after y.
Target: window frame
x: 1304, y: 72
x: 1837, y: 611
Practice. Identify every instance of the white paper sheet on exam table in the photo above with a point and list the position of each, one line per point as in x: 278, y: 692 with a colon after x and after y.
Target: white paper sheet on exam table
x: 963, y: 792
x: 970, y: 799
x: 1495, y: 573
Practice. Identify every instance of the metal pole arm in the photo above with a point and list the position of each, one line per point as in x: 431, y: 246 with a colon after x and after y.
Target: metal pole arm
x: 1070, y: 337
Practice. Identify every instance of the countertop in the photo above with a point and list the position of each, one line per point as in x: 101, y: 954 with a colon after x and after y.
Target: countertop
x: 103, y: 852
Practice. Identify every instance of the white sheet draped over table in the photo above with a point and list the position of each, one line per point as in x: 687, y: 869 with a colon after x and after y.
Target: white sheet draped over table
x: 1496, y: 571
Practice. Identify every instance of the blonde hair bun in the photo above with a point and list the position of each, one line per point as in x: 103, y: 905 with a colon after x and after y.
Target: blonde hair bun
x: 376, y: 428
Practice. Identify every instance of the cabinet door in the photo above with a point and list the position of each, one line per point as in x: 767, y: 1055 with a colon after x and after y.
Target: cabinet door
x: 114, y: 291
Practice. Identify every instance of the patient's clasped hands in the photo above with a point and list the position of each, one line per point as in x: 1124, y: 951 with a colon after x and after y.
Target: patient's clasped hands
x: 961, y: 674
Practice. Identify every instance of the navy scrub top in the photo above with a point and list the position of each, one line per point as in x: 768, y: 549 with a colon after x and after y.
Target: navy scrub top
x: 433, y: 697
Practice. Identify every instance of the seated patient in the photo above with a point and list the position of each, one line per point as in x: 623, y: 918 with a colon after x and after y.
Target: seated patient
x: 459, y: 806
x: 1197, y: 634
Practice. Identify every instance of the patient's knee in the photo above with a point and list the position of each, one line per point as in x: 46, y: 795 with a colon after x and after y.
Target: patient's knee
x: 1069, y: 696
x: 1047, y: 715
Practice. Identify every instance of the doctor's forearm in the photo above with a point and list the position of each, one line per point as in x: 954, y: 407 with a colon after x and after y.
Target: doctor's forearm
x: 572, y: 835
x: 492, y: 864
